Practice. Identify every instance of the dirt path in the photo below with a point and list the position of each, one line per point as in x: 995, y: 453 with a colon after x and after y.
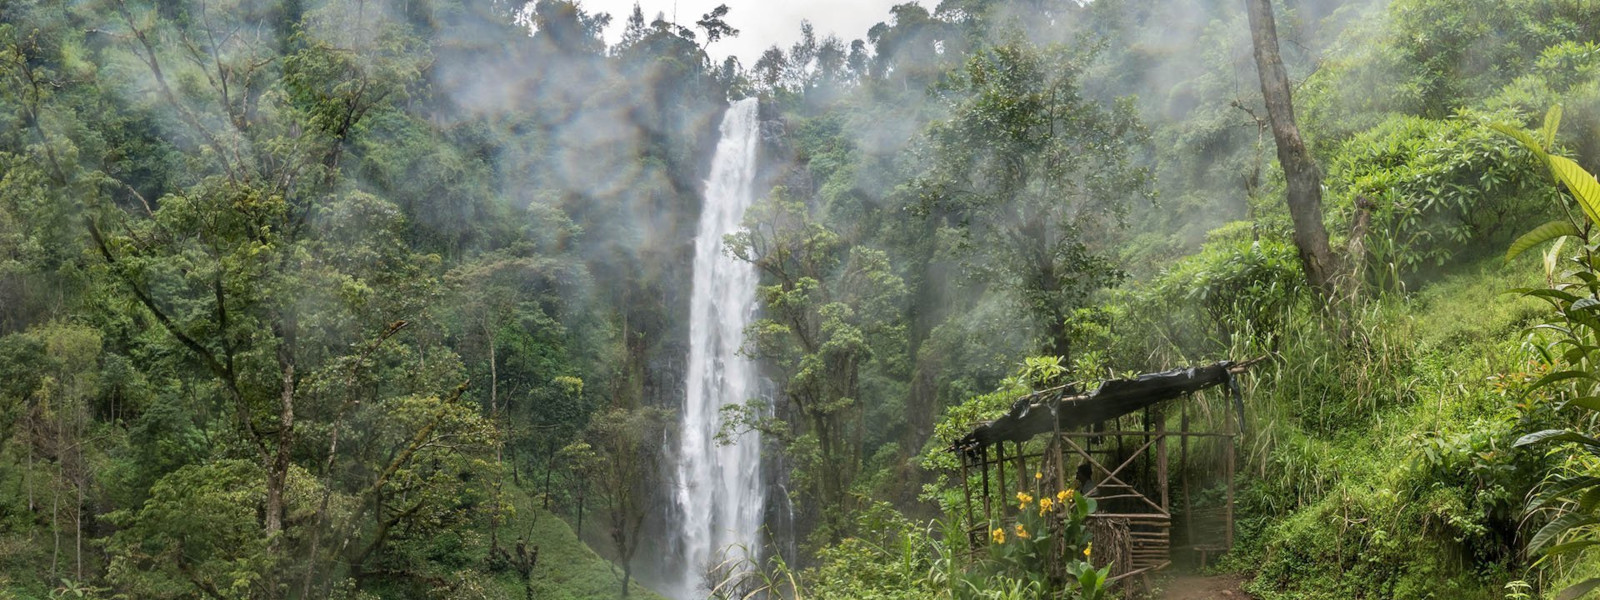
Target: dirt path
x: 1195, y: 587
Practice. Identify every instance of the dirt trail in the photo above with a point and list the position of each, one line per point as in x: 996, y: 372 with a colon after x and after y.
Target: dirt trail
x: 1195, y: 587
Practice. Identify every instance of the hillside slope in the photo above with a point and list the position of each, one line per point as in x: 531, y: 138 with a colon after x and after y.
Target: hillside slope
x: 567, y: 568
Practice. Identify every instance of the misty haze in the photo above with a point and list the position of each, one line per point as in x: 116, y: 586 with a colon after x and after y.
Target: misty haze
x: 827, y: 299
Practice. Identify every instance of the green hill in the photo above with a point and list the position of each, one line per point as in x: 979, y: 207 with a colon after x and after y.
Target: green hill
x: 567, y: 568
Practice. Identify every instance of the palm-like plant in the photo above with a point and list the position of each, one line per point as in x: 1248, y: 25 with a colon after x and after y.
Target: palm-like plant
x: 1574, y: 352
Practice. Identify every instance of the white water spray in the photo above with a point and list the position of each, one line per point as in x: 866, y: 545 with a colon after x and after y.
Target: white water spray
x: 720, y: 495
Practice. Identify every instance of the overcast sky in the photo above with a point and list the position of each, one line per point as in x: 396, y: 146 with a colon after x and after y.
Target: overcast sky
x: 761, y: 23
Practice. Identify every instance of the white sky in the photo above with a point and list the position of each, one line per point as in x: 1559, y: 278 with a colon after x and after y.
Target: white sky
x: 761, y: 23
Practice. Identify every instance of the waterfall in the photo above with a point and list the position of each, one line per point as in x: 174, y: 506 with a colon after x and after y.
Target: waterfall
x: 719, y: 487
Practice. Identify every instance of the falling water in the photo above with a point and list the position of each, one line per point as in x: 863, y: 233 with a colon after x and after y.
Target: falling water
x: 719, y: 487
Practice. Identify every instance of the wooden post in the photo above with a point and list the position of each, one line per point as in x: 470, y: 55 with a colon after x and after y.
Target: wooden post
x: 984, y: 466
x: 1000, y: 459
x: 1061, y: 456
x: 1022, y: 467
x: 1161, y: 461
x: 1144, y: 465
x: 966, y: 488
x: 1183, y: 473
x: 1120, y: 449
x: 1228, y: 515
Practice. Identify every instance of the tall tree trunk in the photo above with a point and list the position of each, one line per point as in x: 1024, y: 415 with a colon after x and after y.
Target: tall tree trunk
x: 1304, y: 178
x: 549, y: 467
x: 55, y: 524
x: 278, y: 467
x: 926, y: 311
x: 499, y: 449
x: 80, y: 480
x: 1059, y: 342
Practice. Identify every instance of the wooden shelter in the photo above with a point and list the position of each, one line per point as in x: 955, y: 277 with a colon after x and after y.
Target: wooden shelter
x: 1126, y: 470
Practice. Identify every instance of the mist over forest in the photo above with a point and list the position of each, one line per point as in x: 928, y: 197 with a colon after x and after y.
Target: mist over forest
x: 995, y: 299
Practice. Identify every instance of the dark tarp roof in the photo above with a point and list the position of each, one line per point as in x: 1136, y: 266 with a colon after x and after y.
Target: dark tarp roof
x: 1031, y: 415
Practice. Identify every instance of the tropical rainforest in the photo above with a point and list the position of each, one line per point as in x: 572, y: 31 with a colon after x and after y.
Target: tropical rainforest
x: 371, y: 299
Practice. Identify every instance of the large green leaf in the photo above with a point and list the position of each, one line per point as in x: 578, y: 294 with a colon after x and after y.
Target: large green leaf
x: 1582, y: 185
x: 1541, y: 234
x: 1560, y: 490
x: 1552, y: 122
x: 1577, y: 590
x: 1555, y: 435
x: 1554, y: 529
x: 1582, y: 316
x: 1571, y: 547
x: 1522, y: 137
x: 1589, y: 402
x: 1552, y: 257
x: 1549, y: 293
x: 1589, y: 499
x: 1555, y: 377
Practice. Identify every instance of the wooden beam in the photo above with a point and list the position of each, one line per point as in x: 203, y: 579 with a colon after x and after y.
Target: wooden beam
x: 1111, y: 474
x: 1105, y: 434
x: 1153, y: 519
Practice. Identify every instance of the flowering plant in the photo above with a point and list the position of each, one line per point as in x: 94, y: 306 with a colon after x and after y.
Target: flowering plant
x: 1048, y: 544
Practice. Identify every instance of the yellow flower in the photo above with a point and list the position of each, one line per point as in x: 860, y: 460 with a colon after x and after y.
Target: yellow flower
x: 1022, y: 534
x: 1038, y: 475
x: 998, y: 535
x: 1064, y: 495
x: 1087, y: 549
x: 1045, y: 505
x: 1023, y: 500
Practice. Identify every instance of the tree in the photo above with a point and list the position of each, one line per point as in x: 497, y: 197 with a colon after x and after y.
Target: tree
x: 633, y: 31
x: 771, y: 67
x: 1304, y: 194
x: 831, y: 307
x: 715, y: 27
x: 284, y: 286
x: 624, y: 457
x: 1028, y: 175
x: 914, y: 49
x: 565, y: 27
x: 53, y: 376
x: 197, y: 535
x: 584, y: 465
x: 248, y: 250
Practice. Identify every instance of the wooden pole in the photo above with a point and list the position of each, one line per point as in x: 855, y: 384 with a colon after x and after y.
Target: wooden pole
x: 1000, y: 459
x: 1183, y: 474
x: 987, y: 512
x: 1022, y: 467
x: 1061, y: 456
x: 1161, y: 461
x: 1110, y: 433
x: 1145, y: 464
x: 1120, y: 450
x: 1228, y: 515
x: 966, y: 488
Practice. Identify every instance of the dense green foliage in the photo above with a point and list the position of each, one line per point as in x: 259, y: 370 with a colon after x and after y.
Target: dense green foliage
x: 314, y: 309
x: 387, y: 299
